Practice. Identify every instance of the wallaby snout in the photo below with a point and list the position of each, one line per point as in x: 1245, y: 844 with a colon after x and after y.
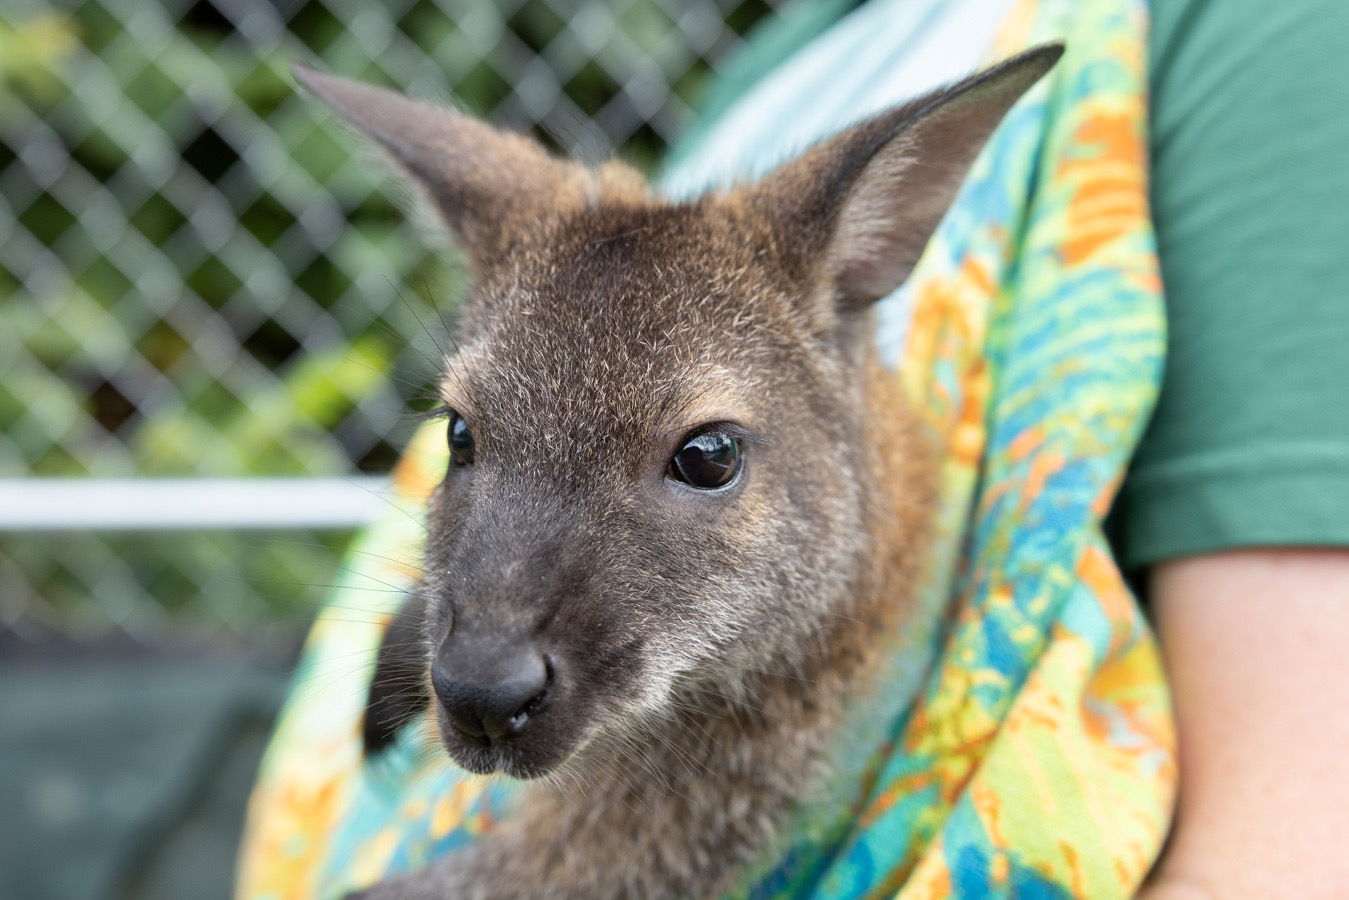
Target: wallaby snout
x: 522, y: 616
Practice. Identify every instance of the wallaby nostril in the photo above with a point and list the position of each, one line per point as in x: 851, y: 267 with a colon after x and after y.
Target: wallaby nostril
x: 490, y: 693
x: 535, y: 704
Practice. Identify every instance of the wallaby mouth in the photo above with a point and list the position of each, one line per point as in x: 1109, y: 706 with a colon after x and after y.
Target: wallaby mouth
x: 501, y: 706
x: 532, y: 751
x: 524, y: 703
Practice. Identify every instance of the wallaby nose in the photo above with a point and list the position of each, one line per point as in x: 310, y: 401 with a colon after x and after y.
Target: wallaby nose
x: 490, y: 691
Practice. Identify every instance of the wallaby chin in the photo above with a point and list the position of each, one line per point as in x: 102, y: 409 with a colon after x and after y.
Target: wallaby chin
x: 685, y: 503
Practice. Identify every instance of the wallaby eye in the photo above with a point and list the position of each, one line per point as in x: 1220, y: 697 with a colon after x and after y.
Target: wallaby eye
x: 461, y: 442
x: 706, y: 461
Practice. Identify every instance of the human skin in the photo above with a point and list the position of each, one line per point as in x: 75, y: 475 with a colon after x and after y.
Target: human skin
x: 1256, y: 645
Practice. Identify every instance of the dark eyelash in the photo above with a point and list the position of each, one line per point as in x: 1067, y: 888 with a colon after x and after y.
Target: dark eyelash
x: 730, y: 429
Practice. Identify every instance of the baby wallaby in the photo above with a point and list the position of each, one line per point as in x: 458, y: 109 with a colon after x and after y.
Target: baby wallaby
x: 684, y: 498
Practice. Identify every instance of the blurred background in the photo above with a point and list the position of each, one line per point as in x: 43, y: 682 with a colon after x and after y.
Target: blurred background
x: 204, y: 277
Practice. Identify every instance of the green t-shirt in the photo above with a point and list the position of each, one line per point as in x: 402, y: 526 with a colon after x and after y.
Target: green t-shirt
x: 1249, y: 444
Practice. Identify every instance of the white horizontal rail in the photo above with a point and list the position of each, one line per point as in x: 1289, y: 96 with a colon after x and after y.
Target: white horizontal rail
x: 104, y: 504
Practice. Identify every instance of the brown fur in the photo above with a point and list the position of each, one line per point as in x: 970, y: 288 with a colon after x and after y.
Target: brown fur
x: 706, y: 642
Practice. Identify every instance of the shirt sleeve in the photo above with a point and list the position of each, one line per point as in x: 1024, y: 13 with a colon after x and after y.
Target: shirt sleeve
x: 1249, y: 443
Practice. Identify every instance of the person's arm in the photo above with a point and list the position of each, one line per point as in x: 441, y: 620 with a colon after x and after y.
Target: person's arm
x: 1256, y: 645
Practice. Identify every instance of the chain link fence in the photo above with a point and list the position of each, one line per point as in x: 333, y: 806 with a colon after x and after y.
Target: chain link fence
x: 202, y: 275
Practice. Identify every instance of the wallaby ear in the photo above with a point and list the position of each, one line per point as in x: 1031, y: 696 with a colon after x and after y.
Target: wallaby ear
x: 866, y: 202
x: 484, y: 181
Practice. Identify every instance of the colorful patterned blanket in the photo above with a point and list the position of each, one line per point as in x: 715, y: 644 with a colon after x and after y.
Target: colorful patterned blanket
x: 1020, y: 743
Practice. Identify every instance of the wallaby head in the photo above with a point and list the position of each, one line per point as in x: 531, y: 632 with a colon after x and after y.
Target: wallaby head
x: 674, y: 471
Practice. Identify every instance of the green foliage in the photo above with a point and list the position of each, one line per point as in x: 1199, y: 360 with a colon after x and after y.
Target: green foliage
x: 29, y: 53
x: 279, y: 429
